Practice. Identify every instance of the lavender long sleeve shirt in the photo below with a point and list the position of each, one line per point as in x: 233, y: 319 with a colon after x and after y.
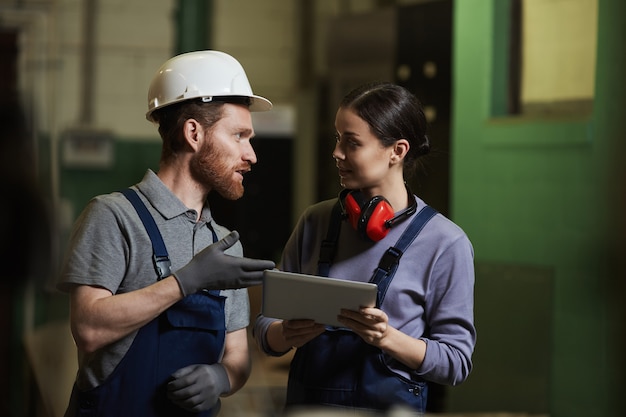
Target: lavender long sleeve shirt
x: 431, y: 296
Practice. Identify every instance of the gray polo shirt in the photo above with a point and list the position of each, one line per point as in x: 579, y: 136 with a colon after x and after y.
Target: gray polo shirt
x: 110, y: 248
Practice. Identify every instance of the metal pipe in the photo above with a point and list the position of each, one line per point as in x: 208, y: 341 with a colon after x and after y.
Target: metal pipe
x: 87, y: 62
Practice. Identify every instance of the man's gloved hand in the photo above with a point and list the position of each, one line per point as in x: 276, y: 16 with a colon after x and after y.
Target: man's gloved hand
x: 212, y: 269
x: 198, y: 387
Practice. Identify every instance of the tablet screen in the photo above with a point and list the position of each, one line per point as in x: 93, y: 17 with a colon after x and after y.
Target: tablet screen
x: 289, y: 295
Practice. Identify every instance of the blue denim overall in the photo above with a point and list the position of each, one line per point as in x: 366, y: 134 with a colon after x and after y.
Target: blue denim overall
x: 191, y: 331
x: 337, y: 368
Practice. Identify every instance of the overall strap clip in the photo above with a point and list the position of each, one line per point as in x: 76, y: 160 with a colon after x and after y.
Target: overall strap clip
x: 161, y: 259
x: 390, y: 258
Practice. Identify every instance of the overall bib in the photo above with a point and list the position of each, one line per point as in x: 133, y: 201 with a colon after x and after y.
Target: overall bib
x: 190, y: 332
x: 338, y: 368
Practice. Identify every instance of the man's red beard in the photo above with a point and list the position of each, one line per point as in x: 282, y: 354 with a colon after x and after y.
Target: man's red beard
x: 210, y: 167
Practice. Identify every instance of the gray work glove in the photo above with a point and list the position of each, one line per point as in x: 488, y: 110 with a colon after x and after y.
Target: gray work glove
x: 212, y: 269
x: 198, y: 387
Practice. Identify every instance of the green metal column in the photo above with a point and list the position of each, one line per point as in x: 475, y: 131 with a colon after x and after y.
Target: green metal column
x: 193, y: 25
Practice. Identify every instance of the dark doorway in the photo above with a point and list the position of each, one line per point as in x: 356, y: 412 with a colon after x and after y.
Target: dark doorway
x: 263, y: 215
x: 424, y: 66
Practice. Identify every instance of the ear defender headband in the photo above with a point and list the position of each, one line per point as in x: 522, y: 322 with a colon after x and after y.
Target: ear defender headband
x: 375, y: 217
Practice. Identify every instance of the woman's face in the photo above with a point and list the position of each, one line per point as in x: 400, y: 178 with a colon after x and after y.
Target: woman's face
x: 362, y: 160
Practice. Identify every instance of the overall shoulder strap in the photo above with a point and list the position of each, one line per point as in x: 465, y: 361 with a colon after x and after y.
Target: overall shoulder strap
x: 386, y: 269
x: 161, y: 258
x: 328, y: 247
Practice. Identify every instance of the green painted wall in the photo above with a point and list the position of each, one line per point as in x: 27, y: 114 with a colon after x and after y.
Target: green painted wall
x: 130, y: 162
x: 546, y: 193
x: 131, y: 159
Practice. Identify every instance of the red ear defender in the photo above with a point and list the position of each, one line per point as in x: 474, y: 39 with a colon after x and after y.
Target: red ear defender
x: 352, y: 209
x: 373, y: 218
x: 368, y: 217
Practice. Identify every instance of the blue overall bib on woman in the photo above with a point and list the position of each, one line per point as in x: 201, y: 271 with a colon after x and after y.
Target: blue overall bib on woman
x: 190, y: 332
x: 338, y: 368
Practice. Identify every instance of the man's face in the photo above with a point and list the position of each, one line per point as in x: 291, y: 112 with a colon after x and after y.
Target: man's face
x: 226, y: 153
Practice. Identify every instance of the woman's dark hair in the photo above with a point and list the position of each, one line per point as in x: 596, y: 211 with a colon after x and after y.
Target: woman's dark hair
x: 172, y: 118
x: 393, y: 113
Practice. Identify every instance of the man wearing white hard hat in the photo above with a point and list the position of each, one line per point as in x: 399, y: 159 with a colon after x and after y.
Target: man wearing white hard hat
x: 158, y: 289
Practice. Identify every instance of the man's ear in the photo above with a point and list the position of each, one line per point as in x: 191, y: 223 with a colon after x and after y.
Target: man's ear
x: 193, y: 133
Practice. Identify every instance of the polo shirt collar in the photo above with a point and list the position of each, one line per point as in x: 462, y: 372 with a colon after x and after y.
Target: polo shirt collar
x: 162, y: 199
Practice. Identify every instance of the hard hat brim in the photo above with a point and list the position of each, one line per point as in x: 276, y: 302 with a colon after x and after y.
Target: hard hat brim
x: 260, y: 104
x: 257, y: 104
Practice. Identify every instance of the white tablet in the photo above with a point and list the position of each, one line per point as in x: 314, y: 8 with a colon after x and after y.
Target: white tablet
x: 289, y: 295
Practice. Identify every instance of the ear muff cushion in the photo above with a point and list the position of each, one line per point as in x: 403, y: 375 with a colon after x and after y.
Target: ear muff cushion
x: 353, y: 209
x: 375, y: 214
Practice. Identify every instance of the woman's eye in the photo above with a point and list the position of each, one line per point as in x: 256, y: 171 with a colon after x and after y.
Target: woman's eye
x: 347, y: 141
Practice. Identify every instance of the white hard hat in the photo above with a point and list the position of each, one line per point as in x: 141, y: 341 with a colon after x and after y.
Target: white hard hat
x: 201, y: 74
